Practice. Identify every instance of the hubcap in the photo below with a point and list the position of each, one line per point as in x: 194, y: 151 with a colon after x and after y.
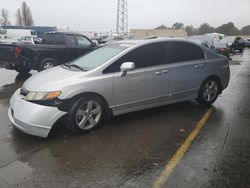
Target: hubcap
x: 210, y: 91
x: 88, y: 115
x: 48, y: 65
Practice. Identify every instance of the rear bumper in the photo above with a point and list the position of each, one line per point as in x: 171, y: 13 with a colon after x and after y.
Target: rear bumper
x: 33, y: 119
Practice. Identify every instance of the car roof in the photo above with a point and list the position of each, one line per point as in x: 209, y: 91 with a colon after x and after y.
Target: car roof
x: 149, y: 41
x: 64, y: 32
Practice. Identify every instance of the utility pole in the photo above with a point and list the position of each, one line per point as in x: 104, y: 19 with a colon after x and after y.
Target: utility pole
x: 122, y: 18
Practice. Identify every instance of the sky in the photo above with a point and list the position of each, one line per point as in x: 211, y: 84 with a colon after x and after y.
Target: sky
x: 92, y: 15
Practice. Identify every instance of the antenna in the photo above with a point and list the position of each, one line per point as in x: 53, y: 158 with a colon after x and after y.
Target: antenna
x: 122, y: 18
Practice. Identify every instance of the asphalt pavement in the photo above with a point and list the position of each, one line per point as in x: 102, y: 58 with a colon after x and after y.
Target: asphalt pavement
x: 132, y: 150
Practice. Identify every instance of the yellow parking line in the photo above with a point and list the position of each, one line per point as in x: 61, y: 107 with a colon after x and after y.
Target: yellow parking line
x: 181, y: 151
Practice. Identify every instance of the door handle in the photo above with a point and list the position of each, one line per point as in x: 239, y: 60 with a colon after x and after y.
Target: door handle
x: 164, y: 71
x: 199, y: 66
x: 158, y: 73
x: 161, y: 72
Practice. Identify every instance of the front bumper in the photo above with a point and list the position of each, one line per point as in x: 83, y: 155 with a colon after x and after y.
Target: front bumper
x: 31, y: 118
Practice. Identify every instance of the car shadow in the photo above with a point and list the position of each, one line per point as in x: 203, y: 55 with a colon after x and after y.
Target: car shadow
x: 156, y: 114
x: 6, y: 91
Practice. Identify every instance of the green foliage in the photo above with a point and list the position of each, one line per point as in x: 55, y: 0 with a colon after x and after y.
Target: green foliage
x: 178, y: 25
x: 228, y: 29
x: 189, y: 29
x: 161, y: 27
x: 205, y: 28
x: 245, y: 30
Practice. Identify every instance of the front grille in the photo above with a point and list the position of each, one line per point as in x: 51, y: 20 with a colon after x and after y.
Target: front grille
x: 24, y: 92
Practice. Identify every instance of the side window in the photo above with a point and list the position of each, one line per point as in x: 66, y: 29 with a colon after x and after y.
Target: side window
x: 71, y: 41
x: 145, y: 56
x: 54, y: 38
x: 83, y: 42
x: 184, y: 51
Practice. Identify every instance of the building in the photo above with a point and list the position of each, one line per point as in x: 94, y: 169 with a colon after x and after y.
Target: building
x: 145, y: 33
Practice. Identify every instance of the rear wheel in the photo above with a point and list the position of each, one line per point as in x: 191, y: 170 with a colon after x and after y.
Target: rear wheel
x: 209, y: 92
x: 241, y: 49
x: 86, y: 114
x: 46, y: 64
x: 233, y: 50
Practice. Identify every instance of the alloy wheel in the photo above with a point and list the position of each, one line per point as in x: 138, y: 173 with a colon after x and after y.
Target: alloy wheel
x: 48, y: 65
x: 88, y: 115
x: 210, y: 91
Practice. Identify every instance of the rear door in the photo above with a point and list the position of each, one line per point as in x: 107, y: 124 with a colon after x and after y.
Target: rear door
x: 186, y: 69
x: 55, y: 46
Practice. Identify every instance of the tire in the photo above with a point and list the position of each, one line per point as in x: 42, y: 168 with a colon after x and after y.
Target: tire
x: 233, y: 50
x: 23, y: 70
x: 46, y: 64
x: 86, y: 114
x: 209, y: 92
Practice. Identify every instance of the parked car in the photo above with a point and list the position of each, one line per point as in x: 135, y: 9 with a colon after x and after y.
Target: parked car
x: 247, y: 42
x: 118, y: 78
x: 56, y: 48
x: 222, y: 48
x: 234, y: 43
x: 101, y: 38
x: 19, y: 40
x: 20, y: 32
x: 111, y: 39
x: 208, y: 42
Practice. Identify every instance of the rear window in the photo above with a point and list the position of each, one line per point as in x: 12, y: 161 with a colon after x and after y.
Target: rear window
x: 54, y: 38
x: 183, y: 51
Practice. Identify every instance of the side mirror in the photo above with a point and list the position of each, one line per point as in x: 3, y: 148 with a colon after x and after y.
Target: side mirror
x: 125, y: 67
x: 94, y: 43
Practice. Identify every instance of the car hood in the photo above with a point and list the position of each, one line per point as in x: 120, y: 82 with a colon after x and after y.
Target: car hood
x: 52, y: 79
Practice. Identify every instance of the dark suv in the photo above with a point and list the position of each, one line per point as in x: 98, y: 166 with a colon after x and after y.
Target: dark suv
x: 234, y: 43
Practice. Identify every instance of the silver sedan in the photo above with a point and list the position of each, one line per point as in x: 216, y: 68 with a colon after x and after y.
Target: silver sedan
x: 115, y: 79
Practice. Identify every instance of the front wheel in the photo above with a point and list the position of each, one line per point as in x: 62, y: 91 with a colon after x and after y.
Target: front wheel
x: 242, y: 49
x: 209, y: 92
x: 233, y: 50
x: 86, y: 114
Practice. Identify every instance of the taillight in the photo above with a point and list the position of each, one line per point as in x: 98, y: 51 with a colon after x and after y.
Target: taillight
x: 18, y: 51
x: 223, y: 50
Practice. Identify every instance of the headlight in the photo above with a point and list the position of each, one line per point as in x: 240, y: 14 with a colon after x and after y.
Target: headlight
x: 38, y: 96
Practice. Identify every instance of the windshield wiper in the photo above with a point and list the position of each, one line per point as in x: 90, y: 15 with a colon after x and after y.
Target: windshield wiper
x: 76, y: 66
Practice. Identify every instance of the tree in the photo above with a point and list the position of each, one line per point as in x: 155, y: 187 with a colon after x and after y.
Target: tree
x: 18, y: 17
x: 27, y: 19
x: 178, y: 25
x: 24, y: 16
x: 190, y: 30
x: 161, y: 27
x: 228, y: 29
x: 245, y: 30
x: 205, y: 28
x: 4, y: 17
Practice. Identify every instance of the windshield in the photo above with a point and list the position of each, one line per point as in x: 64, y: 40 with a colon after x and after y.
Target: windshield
x: 100, y: 56
x: 228, y: 39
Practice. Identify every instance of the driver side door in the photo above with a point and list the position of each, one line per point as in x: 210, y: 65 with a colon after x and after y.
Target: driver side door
x: 142, y: 87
